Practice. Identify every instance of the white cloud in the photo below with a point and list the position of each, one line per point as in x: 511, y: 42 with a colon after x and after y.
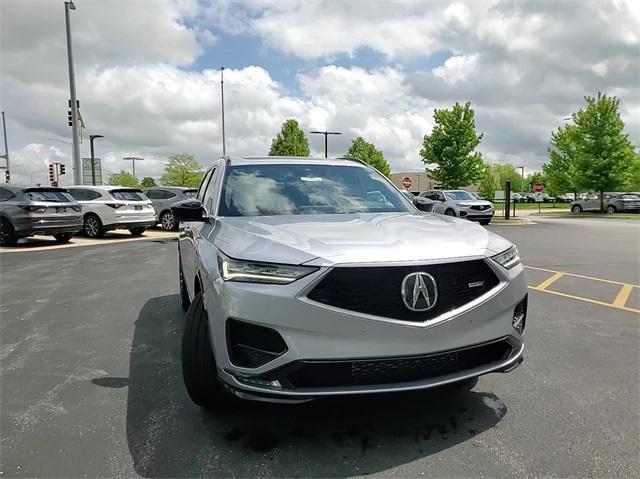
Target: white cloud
x: 523, y: 66
x: 457, y: 68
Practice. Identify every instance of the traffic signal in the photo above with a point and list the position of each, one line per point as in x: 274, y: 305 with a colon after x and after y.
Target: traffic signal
x: 70, y: 118
x: 62, y: 169
x: 7, y: 176
x: 52, y: 175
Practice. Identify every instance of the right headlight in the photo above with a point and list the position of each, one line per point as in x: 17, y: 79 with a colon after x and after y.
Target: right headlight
x: 258, y: 272
x: 508, y: 259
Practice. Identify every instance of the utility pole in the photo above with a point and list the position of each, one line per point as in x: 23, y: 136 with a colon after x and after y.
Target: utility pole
x: 326, y: 133
x: 77, y: 165
x: 522, y: 176
x: 133, y: 160
x: 6, y: 150
x: 93, y: 160
x: 224, y: 140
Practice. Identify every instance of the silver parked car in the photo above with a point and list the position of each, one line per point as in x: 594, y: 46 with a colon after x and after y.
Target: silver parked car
x: 162, y: 197
x: 462, y: 204
x: 28, y: 211
x: 300, y: 284
x: 613, y: 203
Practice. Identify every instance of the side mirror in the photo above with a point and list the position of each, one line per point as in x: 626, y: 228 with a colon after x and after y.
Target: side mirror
x: 423, y: 204
x: 188, y: 210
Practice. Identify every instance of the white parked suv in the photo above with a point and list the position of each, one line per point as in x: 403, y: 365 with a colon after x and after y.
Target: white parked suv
x: 109, y: 207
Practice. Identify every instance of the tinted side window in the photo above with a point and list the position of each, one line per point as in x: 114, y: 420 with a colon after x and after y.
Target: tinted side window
x: 154, y: 194
x: 203, y: 185
x: 209, y: 192
x: 79, y: 195
x: 93, y: 195
x: 168, y: 194
x: 5, y: 194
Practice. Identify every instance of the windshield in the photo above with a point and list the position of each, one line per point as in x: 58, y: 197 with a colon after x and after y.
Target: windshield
x: 460, y: 195
x: 44, y: 195
x: 297, y: 189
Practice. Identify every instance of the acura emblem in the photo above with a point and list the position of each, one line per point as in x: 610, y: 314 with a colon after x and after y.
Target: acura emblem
x: 419, y: 291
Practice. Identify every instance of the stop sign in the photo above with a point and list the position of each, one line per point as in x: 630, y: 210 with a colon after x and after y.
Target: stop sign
x: 537, y: 187
x: 406, y: 182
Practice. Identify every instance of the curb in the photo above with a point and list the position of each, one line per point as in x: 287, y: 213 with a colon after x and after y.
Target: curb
x: 512, y: 222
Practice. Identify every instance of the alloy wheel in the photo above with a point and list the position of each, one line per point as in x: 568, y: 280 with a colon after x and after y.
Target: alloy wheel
x: 91, y: 226
x: 167, y: 221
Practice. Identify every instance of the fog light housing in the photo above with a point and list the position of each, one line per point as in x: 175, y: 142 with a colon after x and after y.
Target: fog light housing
x: 520, y: 315
x: 251, y: 345
x: 255, y: 381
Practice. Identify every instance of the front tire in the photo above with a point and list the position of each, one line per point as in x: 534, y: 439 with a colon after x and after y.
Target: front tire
x: 576, y: 209
x: 7, y: 234
x: 137, y: 231
x: 63, y: 237
x: 92, y: 227
x: 168, y: 221
x: 198, y: 363
x: 450, y: 212
x: 485, y: 222
x: 611, y: 210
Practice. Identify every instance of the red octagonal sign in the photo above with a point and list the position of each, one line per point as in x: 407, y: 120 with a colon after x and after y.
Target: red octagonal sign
x: 406, y: 182
x: 537, y: 187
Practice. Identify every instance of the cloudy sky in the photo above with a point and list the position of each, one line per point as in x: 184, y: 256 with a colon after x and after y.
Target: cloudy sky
x: 148, y: 79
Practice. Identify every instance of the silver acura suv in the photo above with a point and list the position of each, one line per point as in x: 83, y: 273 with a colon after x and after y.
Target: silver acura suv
x: 306, y: 278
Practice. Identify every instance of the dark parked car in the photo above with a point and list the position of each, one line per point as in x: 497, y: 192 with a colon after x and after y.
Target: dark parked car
x: 613, y: 203
x: 26, y: 211
x: 163, y: 197
x: 423, y: 204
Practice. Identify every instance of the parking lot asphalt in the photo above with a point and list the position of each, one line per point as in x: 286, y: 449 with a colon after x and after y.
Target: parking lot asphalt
x: 90, y: 381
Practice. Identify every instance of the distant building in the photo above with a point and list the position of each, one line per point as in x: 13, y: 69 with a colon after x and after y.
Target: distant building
x: 421, y: 181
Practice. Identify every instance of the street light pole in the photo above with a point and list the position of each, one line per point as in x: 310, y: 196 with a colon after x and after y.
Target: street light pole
x: 224, y: 140
x: 93, y: 162
x: 326, y: 134
x: 77, y: 166
x: 6, y: 148
x: 133, y: 160
x: 521, y: 168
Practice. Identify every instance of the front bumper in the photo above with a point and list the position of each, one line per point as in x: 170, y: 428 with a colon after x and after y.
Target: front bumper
x: 477, y: 215
x: 314, y: 333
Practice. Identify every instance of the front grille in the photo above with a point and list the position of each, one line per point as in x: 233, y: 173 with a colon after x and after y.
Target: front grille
x: 377, y: 290
x: 480, y: 207
x: 320, y: 374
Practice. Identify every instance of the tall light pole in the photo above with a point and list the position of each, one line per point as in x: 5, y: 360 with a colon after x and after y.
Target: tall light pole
x: 224, y: 140
x: 6, y: 150
x: 133, y: 160
x: 77, y: 165
x: 93, y: 161
x: 326, y: 134
x: 522, y: 183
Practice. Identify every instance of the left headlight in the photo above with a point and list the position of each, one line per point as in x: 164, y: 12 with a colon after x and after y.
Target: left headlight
x: 257, y: 272
x: 508, y: 258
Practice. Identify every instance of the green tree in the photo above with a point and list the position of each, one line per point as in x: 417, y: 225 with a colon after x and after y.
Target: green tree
x: 533, y: 178
x: 148, y: 182
x: 604, y: 153
x: 560, y: 172
x: 488, y: 184
x: 367, y: 152
x: 632, y: 182
x: 291, y: 141
x: 123, y: 178
x: 181, y: 170
x: 451, y: 147
x: 506, y: 172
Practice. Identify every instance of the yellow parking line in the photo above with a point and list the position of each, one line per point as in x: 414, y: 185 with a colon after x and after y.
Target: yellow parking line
x: 623, y: 295
x: 588, y: 300
x: 580, y: 276
x: 549, y: 281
